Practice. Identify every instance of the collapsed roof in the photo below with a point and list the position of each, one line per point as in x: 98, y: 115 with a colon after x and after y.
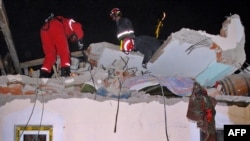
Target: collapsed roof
x: 185, y: 56
x: 186, y: 53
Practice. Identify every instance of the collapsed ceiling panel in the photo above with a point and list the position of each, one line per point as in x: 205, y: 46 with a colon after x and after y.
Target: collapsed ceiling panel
x: 187, y: 53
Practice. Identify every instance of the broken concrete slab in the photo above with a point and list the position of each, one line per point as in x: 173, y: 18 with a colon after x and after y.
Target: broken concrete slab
x: 186, y: 53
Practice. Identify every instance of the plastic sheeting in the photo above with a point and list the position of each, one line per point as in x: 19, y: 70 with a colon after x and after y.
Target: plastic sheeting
x: 181, y: 86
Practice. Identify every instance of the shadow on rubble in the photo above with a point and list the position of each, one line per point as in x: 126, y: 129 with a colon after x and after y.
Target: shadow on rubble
x: 159, y: 90
x: 232, y: 103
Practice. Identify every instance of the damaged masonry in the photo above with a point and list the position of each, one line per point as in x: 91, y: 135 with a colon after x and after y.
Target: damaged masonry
x: 186, y: 57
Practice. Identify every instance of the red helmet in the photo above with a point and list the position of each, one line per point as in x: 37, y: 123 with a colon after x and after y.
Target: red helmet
x: 127, y: 45
x: 115, y: 12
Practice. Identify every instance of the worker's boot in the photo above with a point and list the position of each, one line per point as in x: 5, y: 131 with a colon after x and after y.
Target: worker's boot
x: 65, y: 71
x: 44, y: 74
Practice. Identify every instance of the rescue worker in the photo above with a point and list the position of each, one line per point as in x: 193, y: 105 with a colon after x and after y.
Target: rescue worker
x: 55, y: 33
x: 125, y: 31
x: 146, y: 45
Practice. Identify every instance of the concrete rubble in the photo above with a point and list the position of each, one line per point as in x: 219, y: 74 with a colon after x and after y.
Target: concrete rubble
x: 185, y: 56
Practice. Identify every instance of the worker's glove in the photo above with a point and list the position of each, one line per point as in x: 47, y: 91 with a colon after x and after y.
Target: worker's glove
x: 80, y: 44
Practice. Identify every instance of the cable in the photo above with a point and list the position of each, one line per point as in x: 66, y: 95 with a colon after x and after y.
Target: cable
x: 30, y: 114
x: 37, y: 139
x: 40, y: 124
x: 118, y: 103
x: 92, y: 78
x: 118, y: 98
x: 165, y: 113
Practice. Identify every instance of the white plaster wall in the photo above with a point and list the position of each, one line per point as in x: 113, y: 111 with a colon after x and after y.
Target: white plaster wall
x: 86, y: 119
x: 21, y: 112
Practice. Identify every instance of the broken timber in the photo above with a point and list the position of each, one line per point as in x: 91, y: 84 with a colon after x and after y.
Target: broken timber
x: 36, y: 62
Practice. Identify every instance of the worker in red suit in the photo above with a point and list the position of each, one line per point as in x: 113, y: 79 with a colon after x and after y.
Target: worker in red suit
x: 55, y: 33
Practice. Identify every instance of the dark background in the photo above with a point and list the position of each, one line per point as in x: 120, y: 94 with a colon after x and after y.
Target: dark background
x: 27, y: 16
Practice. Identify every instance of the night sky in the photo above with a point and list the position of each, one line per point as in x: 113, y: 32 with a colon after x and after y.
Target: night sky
x: 27, y: 16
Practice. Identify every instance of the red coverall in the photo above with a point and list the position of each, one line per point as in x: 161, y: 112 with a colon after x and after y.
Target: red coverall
x: 54, y: 36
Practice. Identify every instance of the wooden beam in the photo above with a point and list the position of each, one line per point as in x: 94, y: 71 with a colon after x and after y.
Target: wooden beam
x: 37, y: 62
x: 31, y: 63
x: 8, y: 38
x: 2, y: 67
